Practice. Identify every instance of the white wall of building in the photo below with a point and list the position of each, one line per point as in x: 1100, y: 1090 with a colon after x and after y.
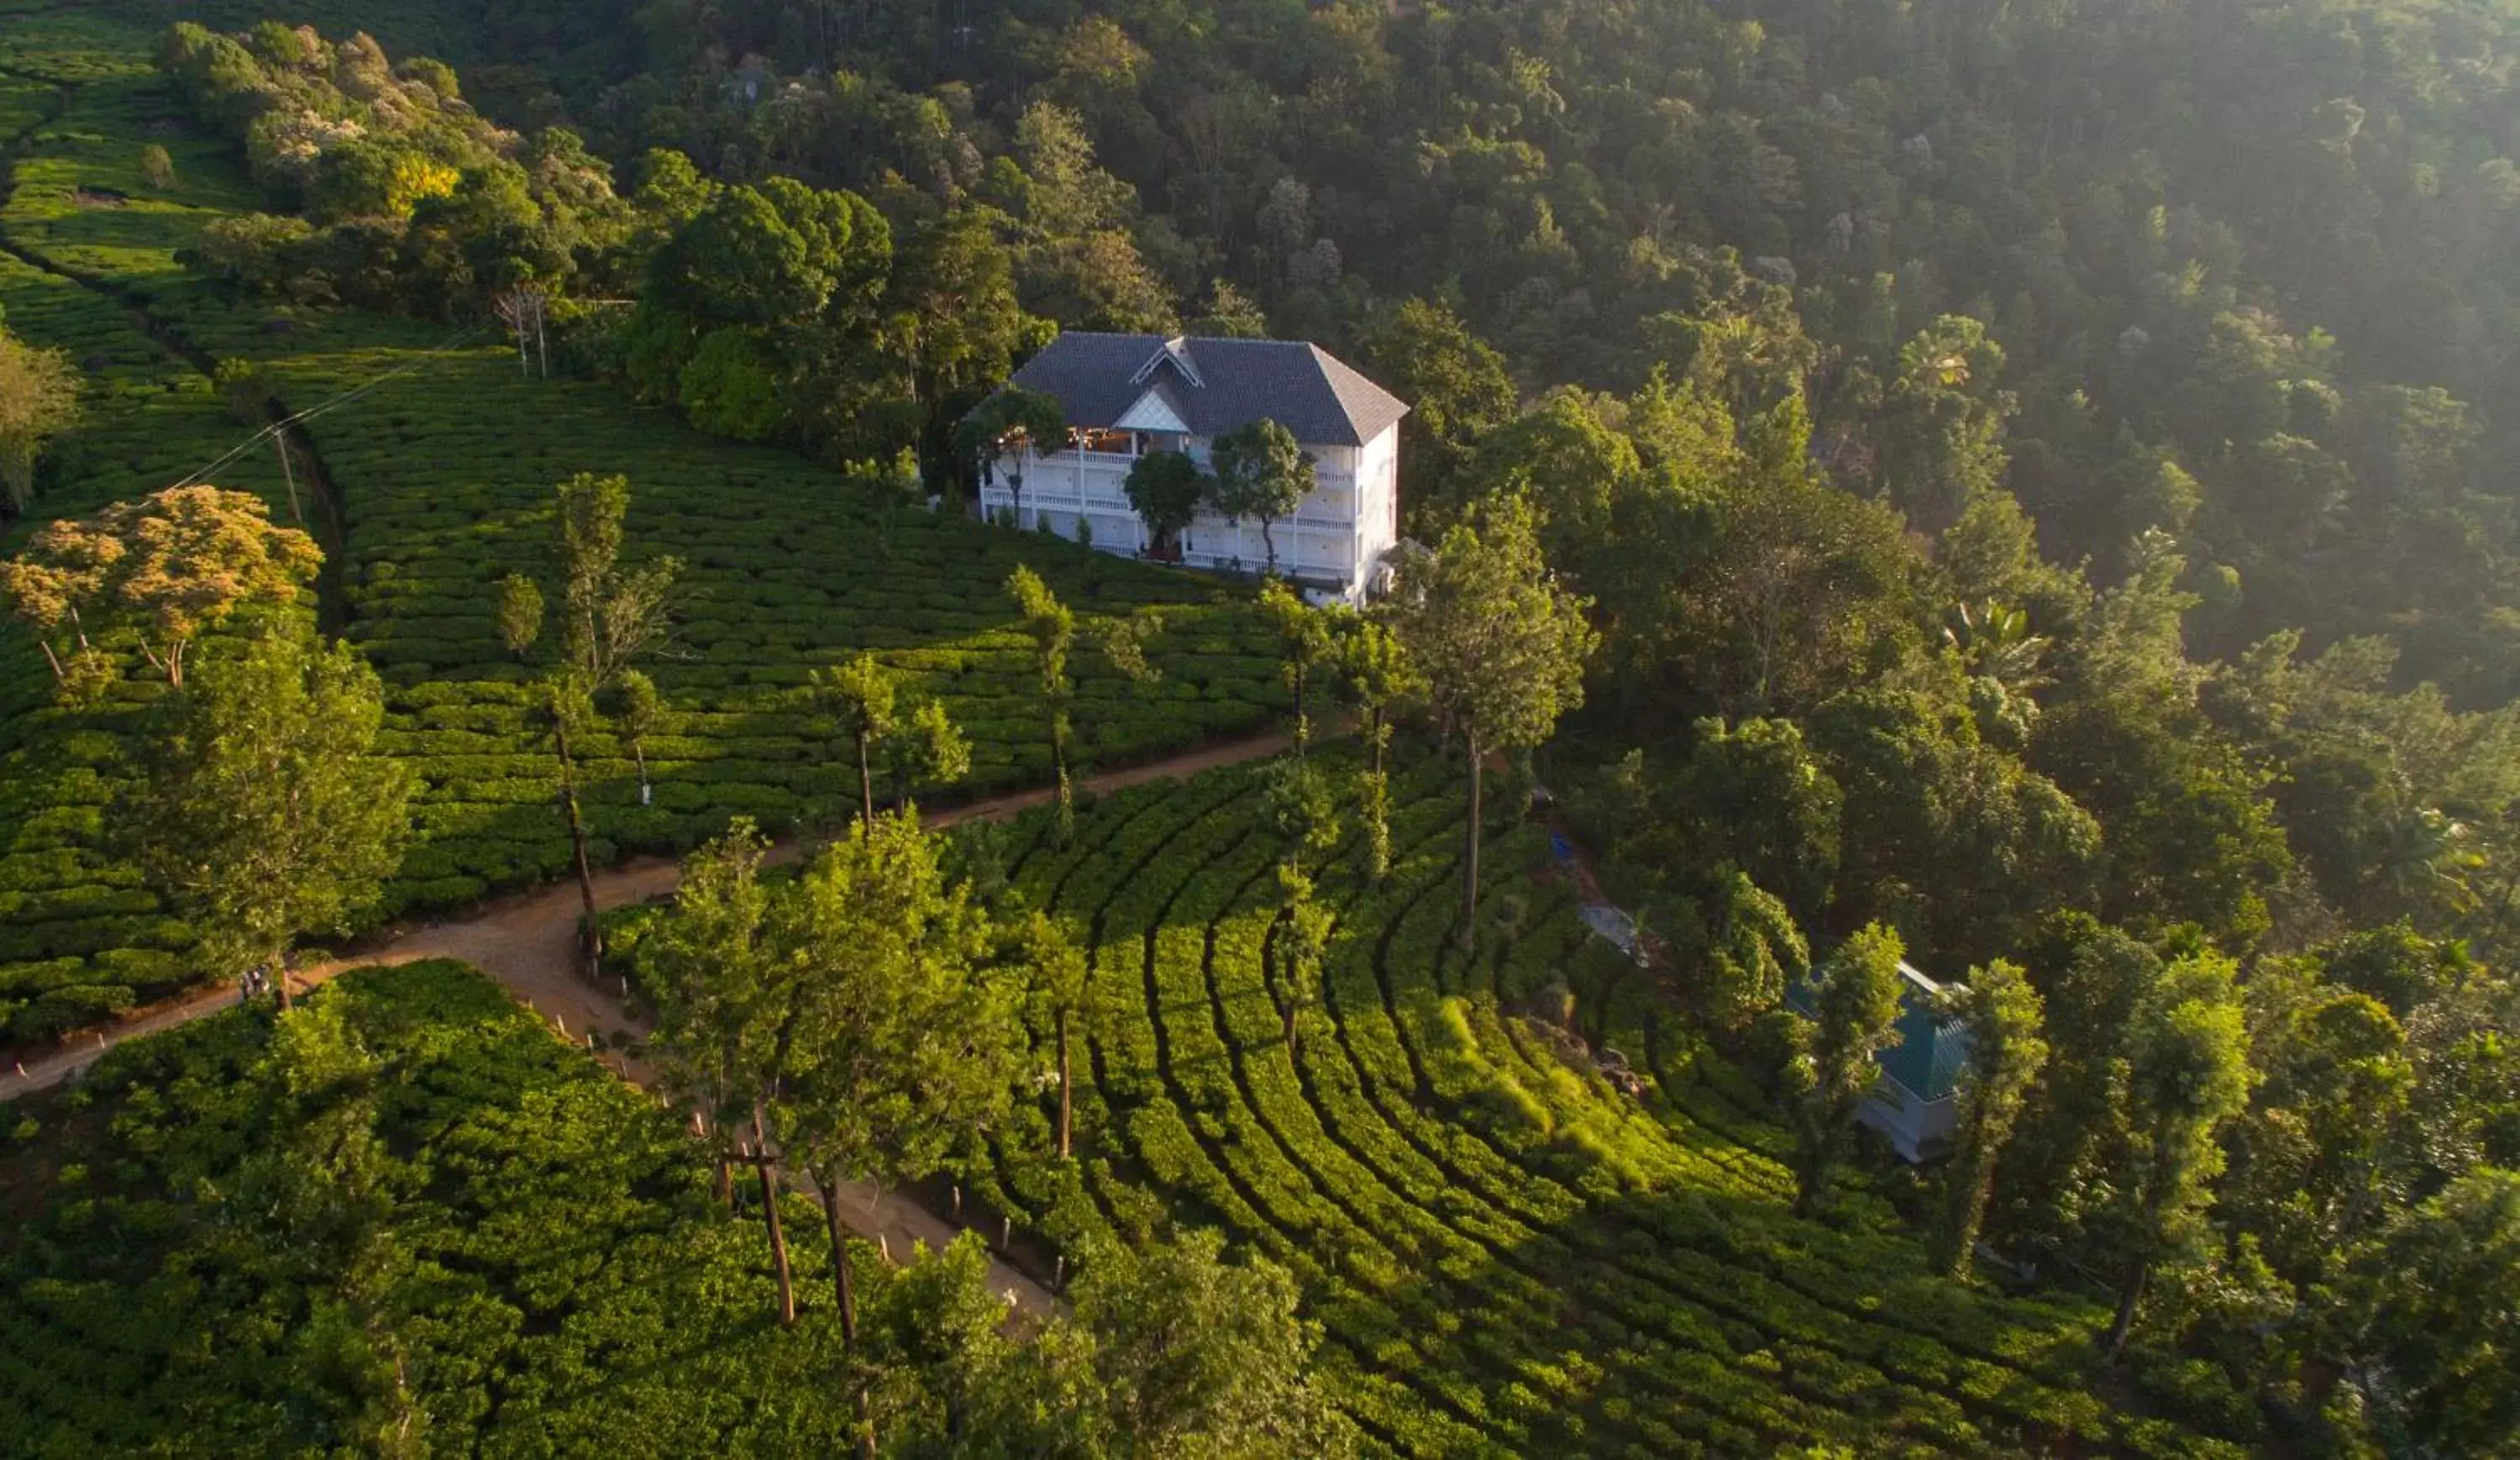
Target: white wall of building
x: 1335, y: 539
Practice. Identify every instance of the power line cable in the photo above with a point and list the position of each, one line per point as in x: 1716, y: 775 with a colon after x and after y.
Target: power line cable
x: 336, y: 402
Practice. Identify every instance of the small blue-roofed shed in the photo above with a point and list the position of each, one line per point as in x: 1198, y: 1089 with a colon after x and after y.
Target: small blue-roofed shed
x: 1917, y: 1101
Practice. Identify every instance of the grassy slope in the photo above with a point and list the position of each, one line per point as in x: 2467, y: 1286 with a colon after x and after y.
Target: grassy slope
x: 442, y: 474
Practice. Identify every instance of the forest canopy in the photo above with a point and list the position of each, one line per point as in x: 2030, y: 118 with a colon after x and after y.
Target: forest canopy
x: 2012, y: 489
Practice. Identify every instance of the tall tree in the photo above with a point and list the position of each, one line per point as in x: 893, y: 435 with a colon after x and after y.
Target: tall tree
x: 1745, y: 945
x: 1052, y: 626
x: 610, y: 617
x: 723, y: 988
x: 2433, y: 1304
x: 1300, y: 939
x: 1295, y: 796
x: 611, y: 614
x: 518, y: 610
x: 568, y: 712
x: 169, y: 565
x: 926, y: 750
x: 1802, y: 586
x: 904, y: 1042
x: 1458, y: 391
x: 38, y: 400
x: 1261, y: 473
x: 950, y: 316
x: 1200, y: 1357
x: 47, y: 594
x: 1059, y: 974
x: 1942, y: 430
x: 2188, y: 1072
x: 2007, y: 1052
x: 1756, y: 795
x: 2054, y: 1177
x: 1377, y: 678
x: 639, y: 713
x: 1165, y: 488
x: 857, y: 697
x: 268, y: 814
x: 1855, y: 1014
x: 1500, y: 644
x: 1304, y: 638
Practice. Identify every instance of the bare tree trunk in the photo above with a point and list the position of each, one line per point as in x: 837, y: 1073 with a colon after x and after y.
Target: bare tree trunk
x: 1303, y: 723
x: 1470, y: 852
x: 1066, y: 1092
x: 1059, y: 766
x: 280, y: 972
x: 1812, y: 1151
x: 1377, y: 798
x: 591, y: 938
x: 2129, y: 1294
x: 844, y: 1286
x: 288, y: 473
x: 866, y: 790
x: 768, y: 1168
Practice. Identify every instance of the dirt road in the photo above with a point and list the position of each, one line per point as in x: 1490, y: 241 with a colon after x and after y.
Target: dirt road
x: 529, y: 943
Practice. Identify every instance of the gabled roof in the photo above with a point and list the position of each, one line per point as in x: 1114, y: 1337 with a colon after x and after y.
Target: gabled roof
x: 1926, y: 1058
x: 1160, y: 408
x: 1214, y: 384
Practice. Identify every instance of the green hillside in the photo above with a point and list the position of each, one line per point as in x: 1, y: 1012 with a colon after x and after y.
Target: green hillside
x: 441, y: 471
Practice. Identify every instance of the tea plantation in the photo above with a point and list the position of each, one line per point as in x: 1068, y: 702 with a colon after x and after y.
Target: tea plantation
x: 1505, y: 1252
x: 439, y: 474
x: 498, y: 1230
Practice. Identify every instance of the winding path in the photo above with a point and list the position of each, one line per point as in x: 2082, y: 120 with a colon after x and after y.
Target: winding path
x: 528, y: 943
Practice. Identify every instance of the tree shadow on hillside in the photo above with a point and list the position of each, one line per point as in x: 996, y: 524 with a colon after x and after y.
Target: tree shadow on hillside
x: 1696, y: 1321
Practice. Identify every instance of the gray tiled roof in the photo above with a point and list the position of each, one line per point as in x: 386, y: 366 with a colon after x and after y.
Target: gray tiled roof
x: 1229, y: 383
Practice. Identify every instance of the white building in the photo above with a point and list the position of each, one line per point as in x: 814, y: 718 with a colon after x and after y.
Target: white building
x: 1125, y: 395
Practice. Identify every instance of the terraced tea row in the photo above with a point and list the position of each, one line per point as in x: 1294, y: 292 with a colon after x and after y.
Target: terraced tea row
x: 1507, y: 1252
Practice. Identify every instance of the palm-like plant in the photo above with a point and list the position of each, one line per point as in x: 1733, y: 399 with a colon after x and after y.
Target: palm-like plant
x: 2424, y: 861
x: 1994, y: 641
